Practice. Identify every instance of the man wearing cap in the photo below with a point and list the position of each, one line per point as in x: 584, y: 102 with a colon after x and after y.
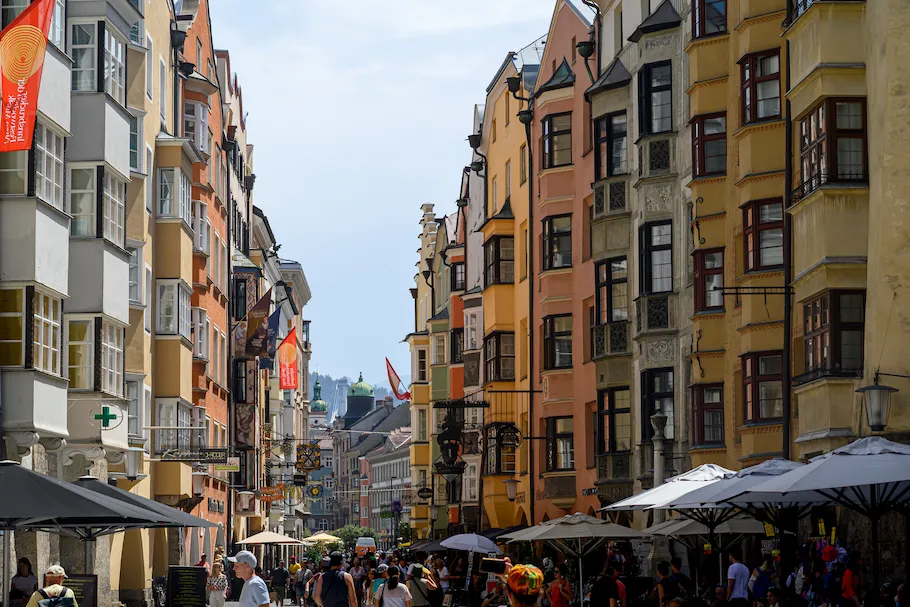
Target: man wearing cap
x: 255, y: 593
x: 54, y: 577
x: 335, y: 588
x: 524, y: 583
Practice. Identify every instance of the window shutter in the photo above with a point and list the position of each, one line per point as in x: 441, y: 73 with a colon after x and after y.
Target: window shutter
x: 644, y: 110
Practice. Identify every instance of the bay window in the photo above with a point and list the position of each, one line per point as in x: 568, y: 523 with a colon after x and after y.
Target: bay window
x: 421, y: 365
x: 833, y: 144
x: 114, y: 65
x: 763, y: 386
x: 763, y: 234
x: 135, y: 275
x: 175, y: 416
x: 655, y: 96
x: 499, y: 356
x: 709, y: 279
x: 500, y: 458
x: 708, y: 410
x: 13, y: 178
x: 439, y: 349
x: 614, y: 420
x: 112, y: 359
x: 202, y: 227
x: 557, y: 342
x: 611, y: 141
x: 83, y: 39
x: 760, y: 86
x: 457, y: 345
x: 557, y: 140
x: 114, y: 202
x: 557, y: 242
x: 709, y: 17
x: 560, y: 444
x: 174, y: 308
x: 174, y: 195
x: 134, y: 416
x: 470, y: 332
x: 657, y: 396
x: 709, y: 145
x: 12, y: 326
x: 46, y: 339
x: 612, y: 291
x: 135, y: 146
x: 49, y: 166
x: 834, y: 323
x: 196, y: 125
x: 80, y: 354
x: 499, y: 260
x: 655, y: 247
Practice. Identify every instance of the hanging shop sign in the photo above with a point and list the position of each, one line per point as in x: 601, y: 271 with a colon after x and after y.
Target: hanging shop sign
x: 231, y: 465
x: 272, y: 493
x: 202, y: 456
x: 309, y: 457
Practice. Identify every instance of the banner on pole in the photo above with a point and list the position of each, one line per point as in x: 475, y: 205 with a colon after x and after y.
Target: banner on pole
x: 287, y: 362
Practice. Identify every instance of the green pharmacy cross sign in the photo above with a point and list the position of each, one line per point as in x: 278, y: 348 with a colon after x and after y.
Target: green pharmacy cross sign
x: 106, y: 417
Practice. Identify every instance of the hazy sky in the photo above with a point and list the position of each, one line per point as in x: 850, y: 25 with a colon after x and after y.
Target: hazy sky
x: 358, y: 112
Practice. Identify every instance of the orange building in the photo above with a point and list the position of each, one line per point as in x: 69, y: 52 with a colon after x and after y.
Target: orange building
x: 563, y: 298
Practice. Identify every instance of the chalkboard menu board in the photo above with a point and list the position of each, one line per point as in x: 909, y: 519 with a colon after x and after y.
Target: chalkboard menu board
x: 186, y: 586
x: 84, y: 587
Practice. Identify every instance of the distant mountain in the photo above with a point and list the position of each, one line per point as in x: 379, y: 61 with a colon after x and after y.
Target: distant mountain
x: 329, y: 386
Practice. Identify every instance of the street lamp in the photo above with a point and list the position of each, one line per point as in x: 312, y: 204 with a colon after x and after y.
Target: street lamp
x: 878, y: 401
x: 511, y: 489
x: 659, y: 423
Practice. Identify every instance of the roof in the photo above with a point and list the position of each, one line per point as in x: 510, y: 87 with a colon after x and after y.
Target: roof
x: 561, y: 78
x: 504, y: 213
x: 444, y: 315
x: 585, y: 12
x: 663, y: 18
x: 361, y: 388
x: 258, y: 212
x: 528, y: 57
x: 397, y: 418
x: 615, y: 76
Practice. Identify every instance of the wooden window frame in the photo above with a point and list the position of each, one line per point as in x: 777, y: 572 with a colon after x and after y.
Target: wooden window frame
x: 646, y: 271
x: 550, y: 239
x: 749, y: 84
x: 548, y: 137
x: 604, y: 135
x: 700, y: 407
x: 752, y: 227
x: 606, y: 409
x: 699, y: 19
x: 553, y: 436
x: 645, y: 92
x: 700, y: 141
x: 700, y: 272
x: 821, y: 332
x: 752, y: 382
x: 550, y: 335
x: 649, y: 399
x: 493, y: 261
x: 607, y: 282
x: 824, y: 167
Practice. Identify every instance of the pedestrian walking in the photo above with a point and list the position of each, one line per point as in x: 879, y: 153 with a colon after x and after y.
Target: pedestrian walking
x: 255, y: 593
x: 23, y: 584
x: 335, y: 588
x: 737, y: 580
x: 561, y: 590
x: 393, y: 593
x: 53, y: 594
x: 524, y: 585
x: 279, y: 579
x: 216, y: 585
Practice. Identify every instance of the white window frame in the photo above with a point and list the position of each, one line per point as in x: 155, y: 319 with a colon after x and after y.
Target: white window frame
x: 139, y: 29
x: 149, y: 67
x: 136, y: 277
x: 134, y: 397
x: 46, y: 339
x: 172, y: 413
x: 137, y: 132
x: 88, y: 218
x: 470, y: 483
x: 90, y: 85
x: 146, y: 416
x: 149, y: 281
x: 201, y: 330
x: 149, y: 185
x: 201, y: 227
x: 174, y: 293
x: 57, y: 32
x: 176, y: 201
x: 114, y: 208
x: 162, y: 88
x: 422, y: 375
x: 87, y: 344
x: 112, y: 358
x: 49, y: 166
x: 196, y: 125
x: 439, y: 349
x: 214, y: 271
x: 212, y: 370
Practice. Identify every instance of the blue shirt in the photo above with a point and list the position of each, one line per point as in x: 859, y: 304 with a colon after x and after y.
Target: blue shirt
x: 254, y: 593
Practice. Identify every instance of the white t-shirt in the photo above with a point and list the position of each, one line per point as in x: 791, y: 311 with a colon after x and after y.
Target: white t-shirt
x: 444, y: 572
x: 254, y: 593
x: 394, y: 598
x: 739, y: 573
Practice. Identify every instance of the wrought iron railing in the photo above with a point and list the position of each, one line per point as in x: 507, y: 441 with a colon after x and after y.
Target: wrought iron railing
x: 798, y: 7
x: 816, y: 181
x: 612, y: 338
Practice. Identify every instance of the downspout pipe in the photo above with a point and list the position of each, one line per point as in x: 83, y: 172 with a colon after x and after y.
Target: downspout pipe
x: 230, y: 355
x: 788, y: 272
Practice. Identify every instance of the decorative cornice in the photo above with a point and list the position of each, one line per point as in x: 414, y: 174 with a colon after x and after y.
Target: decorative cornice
x: 53, y: 444
x: 762, y: 428
x: 825, y: 68
x: 697, y: 181
x: 759, y: 19
x: 750, y: 276
x: 554, y: 199
x: 759, y: 127
x: 23, y: 441
x: 91, y: 453
x: 761, y: 326
x: 697, y: 43
x: 707, y: 82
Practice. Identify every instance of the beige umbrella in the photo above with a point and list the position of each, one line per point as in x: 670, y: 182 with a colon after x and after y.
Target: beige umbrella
x: 323, y: 538
x: 269, y: 537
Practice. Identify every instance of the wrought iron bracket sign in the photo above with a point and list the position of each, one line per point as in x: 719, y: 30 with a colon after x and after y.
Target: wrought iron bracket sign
x: 204, y: 456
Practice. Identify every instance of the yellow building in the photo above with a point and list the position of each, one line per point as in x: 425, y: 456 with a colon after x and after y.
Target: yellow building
x: 506, y: 248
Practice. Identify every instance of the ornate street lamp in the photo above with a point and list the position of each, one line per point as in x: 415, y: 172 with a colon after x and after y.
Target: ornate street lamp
x: 474, y: 140
x: 878, y: 401
x: 511, y: 488
x: 525, y: 116
x: 514, y: 84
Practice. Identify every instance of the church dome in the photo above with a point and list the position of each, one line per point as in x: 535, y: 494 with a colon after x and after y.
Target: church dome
x: 361, y: 388
x: 317, y: 405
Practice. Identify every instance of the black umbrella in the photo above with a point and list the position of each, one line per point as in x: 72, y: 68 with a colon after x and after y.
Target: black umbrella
x: 37, y: 501
x: 175, y: 516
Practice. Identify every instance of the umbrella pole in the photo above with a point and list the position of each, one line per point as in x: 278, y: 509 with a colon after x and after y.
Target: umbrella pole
x: 581, y: 575
x: 7, y: 569
x: 876, y: 558
x: 87, y: 554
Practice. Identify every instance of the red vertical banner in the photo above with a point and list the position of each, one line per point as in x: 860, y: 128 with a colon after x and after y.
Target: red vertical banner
x: 22, y: 46
x: 287, y: 362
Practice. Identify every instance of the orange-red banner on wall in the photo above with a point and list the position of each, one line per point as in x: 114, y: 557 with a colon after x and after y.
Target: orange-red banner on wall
x: 287, y: 362
x: 22, y: 46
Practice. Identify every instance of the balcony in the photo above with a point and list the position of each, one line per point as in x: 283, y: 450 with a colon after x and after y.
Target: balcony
x: 614, y: 467
x: 612, y: 338
x: 560, y: 490
x: 654, y: 313
x: 842, y: 179
x: 799, y: 7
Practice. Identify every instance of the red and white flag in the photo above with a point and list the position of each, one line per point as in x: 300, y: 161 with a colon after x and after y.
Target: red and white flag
x: 287, y: 362
x: 396, y: 384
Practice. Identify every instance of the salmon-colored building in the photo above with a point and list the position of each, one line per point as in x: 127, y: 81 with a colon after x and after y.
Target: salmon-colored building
x: 563, y: 298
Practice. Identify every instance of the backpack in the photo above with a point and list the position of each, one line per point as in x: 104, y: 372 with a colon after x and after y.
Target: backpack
x: 761, y: 585
x: 834, y: 583
x: 65, y: 600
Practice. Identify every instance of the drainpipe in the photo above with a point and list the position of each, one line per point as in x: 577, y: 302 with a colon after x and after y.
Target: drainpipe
x: 788, y: 272
x: 228, y: 540
x: 531, y: 348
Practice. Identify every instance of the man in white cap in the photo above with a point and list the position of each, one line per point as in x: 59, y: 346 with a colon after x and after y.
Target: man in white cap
x: 54, y: 591
x: 255, y: 593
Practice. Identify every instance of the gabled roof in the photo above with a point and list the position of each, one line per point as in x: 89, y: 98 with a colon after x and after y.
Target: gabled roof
x: 615, y: 76
x: 443, y: 315
x: 561, y: 78
x: 664, y: 18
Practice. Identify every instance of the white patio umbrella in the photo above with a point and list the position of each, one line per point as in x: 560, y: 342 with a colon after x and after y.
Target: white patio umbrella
x: 870, y: 476
x: 471, y: 542
x: 576, y: 535
x: 269, y: 537
x: 672, y: 490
